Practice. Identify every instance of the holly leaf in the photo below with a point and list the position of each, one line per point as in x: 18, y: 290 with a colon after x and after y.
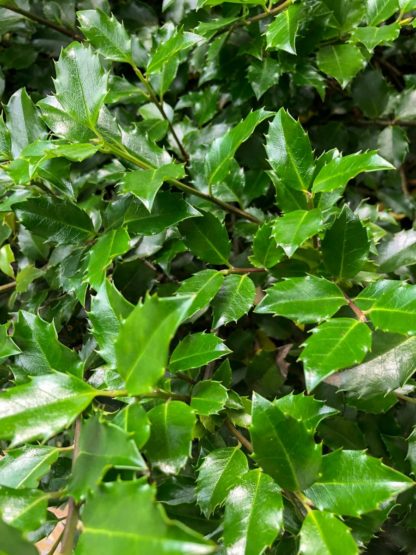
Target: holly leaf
x: 395, y: 309
x: 196, y: 350
x: 305, y: 408
x: 168, y: 49
x: 380, y: 10
x: 340, y: 61
x: 324, y: 533
x: 282, y: 31
x: 24, y: 509
x: 207, y: 238
x: 253, y: 514
x: 307, y: 299
x: 109, y: 245
x: 208, y: 397
x: 397, y: 250
x: 202, y: 287
x: 11, y: 542
x: 265, y: 252
x: 24, y: 467
x: 234, y: 299
x: 134, y: 421
x: 23, y: 122
x: 291, y: 230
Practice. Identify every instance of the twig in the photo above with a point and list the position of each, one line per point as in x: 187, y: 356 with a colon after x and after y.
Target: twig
x: 7, y: 286
x: 238, y: 435
x: 56, y: 543
x: 43, y: 21
x: 405, y: 398
x: 403, y: 182
x: 243, y: 270
x: 357, y: 311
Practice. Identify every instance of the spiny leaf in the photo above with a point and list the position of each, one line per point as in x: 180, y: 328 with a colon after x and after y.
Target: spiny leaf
x: 207, y: 238
x: 196, y: 350
x: 281, y: 33
x: 234, y: 299
x: 208, y: 397
x: 23, y: 467
x: 341, y: 61
x: 24, y: 509
x: 109, y: 245
x: 202, y: 286
x: 291, y: 230
x: 325, y: 534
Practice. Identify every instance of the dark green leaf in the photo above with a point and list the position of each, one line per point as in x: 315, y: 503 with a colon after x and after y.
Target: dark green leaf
x: 109, y: 245
x: 265, y: 252
x: 325, y: 534
x: 207, y: 238
x: 281, y: 33
x: 234, y: 299
x: 341, y: 61
x: 23, y: 122
x: 208, y: 397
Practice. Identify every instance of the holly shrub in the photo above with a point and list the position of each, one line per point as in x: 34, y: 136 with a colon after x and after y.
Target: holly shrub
x: 207, y: 298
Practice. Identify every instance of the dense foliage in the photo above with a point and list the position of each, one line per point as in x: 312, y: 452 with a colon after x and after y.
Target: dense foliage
x: 207, y: 256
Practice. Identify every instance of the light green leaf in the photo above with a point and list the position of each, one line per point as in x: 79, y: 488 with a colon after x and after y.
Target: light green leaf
x: 41, y: 351
x: 333, y: 345
x: 380, y: 10
x: 291, y: 230
x: 265, y: 252
x: 373, y: 36
x: 308, y: 299
x: 253, y: 514
x: 5, y: 141
x: 145, y: 184
x: 57, y: 221
x: 202, y: 287
x: 196, y: 350
x: 107, y: 35
x: 345, y: 245
x: 171, y: 433
x: 80, y: 84
x: 341, y: 61
x: 42, y: 407
x: 170, y: 48
x: 304, y: 408
x: 219, y: 472
x: 222, y: 151
x: 101, y: 447
x: 153, y: 324
x: 134, y: 421
x: 207, y: 238
x: 339, y: 171
x: 282, y: 31
x: 6, y: 259
x: 109, y: 245
x: 24, y: 467
x: 24, y: 509
x: 352, y: 483
x: 234, y: 299
x: 324, y: 533
x: 208, y: 397
x: 289, y: 152
x: 283, y: 446
x: 124, y: 517
x: 11, y: 542
x: 395, y: 309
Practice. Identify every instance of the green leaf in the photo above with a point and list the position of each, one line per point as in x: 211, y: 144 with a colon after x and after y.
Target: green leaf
x: 109, y: 245
x: 5, y: 141
x: 80, y: 84
x: 395, y: 309
x: 124, y: 517
x: 345, y: 245
x: 169, y: 445
x: 373, y: 36
x: 24, y: 467
x: 23, y: 122
x: 106, y: 34
x: 153, y: 324
x: 208, y: 397
x: 265, y: 252
x: 7, y: 346
x: 24, y: 509
x: 57, y: 221
x: 289, y: 152
x: 101, y: 447
x: 291, y: 230
x: 144, y: 184
x: 6, y: 259
x: 11, y: 542
x: 281, y: 33
x: 398, y: 250
x: 43, y: 407
x: 307, y: 299
x: 196, y: 350
x: 341, y: 61
x: 380, y: 10
x: 381, y: 374
x: 324, y: 533
x: 234, y: 299
x: 337, y: 173
x: 202, y: 287
x: 333, y: 345
x: 219, y: 472
x: 263, y: 75
x: 207, y: 238
x: 304, y: 408
x: 134, y: 421
x: 221, y: 152
x: 253, y: 514
x: 283, y: 446
x: 170, y: 48
x: 61, y: 123
x: 352, y: 483
x: 41, y: 351
x: 393, y: 144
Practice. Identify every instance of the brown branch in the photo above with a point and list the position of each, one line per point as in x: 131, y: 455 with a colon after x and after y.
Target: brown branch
x: 7, y: 286
x: 357, y: 311
x: 238, y: 435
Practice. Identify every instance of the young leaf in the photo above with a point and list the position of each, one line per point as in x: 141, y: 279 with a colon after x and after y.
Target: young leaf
x: 353, y: 483
x: 339, y: 171
x: 395, y: 309
x: 207, y: 238
x: 219, y: 472
x: 41, y: 351
x: 291, y: 230
x: 23, y: 467
x: 234, y: 299
x: 341, y: 61
x: 345, y: 245
x: 153, y: 324
x: 109, y: 245
x: 208, y: 397
x: 42, y: 407
x: 80, y: 84
x: 196, y: 350
x: 24, y: 509
x: 281, y: 33
x: 253, y: 514
x: 106, y: 34
x: 222, y: 150
x: 101, y: 447
x: 289, y: 152
x: 333, y: 345
x: 308, y: 299
x: 169, y: 445
x: 125, y: 517
x: 283, y: 446
x: 202, y: 287
x: 170, y: 48
x: 324, y: 533
x: 304, y: 408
